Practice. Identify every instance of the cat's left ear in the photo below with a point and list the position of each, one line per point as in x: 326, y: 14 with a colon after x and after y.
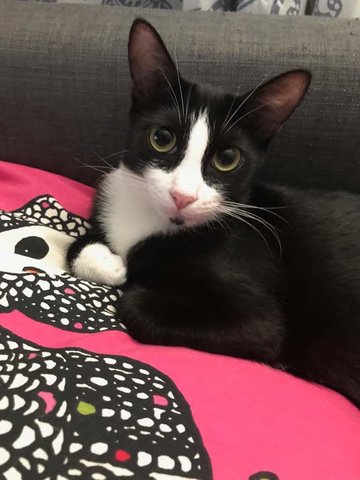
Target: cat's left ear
x: 151, y: 66
x: 270, y: 105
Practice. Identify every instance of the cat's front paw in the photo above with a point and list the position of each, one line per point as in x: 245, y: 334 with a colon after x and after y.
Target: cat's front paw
x: 97, y: 263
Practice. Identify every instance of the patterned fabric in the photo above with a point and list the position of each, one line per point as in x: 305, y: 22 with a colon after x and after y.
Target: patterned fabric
x: 327, y: 8
x: 275, y: 7
x: 337, y: 8
x: 79, y: 399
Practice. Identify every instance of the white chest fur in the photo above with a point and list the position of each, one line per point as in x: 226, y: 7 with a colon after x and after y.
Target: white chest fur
x: 126, y: 214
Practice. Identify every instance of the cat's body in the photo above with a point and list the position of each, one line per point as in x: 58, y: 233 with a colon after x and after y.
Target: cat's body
x: 202, y: 271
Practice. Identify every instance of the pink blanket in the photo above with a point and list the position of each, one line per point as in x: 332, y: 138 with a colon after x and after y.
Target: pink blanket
x: 79, y: 398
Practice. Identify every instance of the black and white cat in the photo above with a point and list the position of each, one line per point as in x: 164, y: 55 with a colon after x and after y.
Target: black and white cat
x: 213, y: 260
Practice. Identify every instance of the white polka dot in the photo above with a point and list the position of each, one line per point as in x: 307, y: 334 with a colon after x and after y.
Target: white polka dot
x: 166, y: 462
x: 40, y: 453
x: 64, y: 321
x: 98, y: 476
x: 99, y: 381
x: 123, y: 389
x: 27, y: 292
x: 99, y: 448
x: 25, y: 462
x: 50, y: 364
x: 127, y: 365
x: 58, y: 442
x: 74, y: 472
x: 142, y: 395
x: 138, y: 381
x: 4, y: 456
x: 158, y: 385
x: 180, y: 428
x: 143, y: 459
x: 49, y: 378
x: 81, y: 307
x: 18, y: 381
x: 50, y: 297
x: 109, y: 361
x: 18, y: 402
x: 145, y: 422
x: 75, y: 447
x: 107, y: 412
x: 45, y: 428
x: 125, y: 414
x: 12, y: 474
x: 119, y: 377
x: 63, y: 310
x: 26, y: 437
x: 165, y: 428
x: 185, y: 463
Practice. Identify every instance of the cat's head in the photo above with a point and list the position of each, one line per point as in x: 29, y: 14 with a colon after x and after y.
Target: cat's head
x: 194, y: 148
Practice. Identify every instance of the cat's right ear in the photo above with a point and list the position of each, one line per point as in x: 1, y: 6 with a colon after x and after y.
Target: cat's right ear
x: 149, y: 60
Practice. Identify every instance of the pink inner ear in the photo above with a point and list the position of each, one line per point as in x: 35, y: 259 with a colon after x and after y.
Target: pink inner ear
x: 277, y: 99
x: 149, y: 59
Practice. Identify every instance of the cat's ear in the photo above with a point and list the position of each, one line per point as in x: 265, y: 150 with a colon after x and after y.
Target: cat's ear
x: 271, y: 104
x: 149, y: 60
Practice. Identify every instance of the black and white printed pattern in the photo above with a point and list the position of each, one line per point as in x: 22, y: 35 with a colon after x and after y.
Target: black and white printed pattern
x: 34, y: 278
x: 68, y: 414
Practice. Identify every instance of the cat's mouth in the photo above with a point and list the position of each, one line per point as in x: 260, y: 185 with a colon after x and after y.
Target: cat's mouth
x: 177, y: 221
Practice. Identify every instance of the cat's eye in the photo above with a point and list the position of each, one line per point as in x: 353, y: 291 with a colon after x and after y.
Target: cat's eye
x: 162, y: 139
x: 227, y: 160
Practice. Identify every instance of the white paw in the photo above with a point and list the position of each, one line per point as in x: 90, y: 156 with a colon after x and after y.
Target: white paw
x: 96, y: 263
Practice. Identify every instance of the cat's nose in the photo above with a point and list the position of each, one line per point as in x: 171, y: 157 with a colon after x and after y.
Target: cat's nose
x: 182, y: 200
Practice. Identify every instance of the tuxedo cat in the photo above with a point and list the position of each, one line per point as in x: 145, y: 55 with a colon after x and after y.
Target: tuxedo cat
x: 210, y: 258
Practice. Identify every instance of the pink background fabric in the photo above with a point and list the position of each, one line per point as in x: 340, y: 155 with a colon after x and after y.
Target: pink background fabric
x: 251, y: 418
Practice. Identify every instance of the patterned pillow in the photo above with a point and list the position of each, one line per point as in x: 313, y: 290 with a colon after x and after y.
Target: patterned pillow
x: 337, y: 8
x: 275, y: 7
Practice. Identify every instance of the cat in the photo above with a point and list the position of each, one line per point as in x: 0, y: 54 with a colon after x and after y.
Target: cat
x: 210, y: 258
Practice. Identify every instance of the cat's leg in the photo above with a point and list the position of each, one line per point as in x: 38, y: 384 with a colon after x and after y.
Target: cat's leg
x: 91, y: 259
x: 197, y: 320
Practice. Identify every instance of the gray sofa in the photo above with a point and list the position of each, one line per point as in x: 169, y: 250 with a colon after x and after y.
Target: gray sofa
x: 64, y: 84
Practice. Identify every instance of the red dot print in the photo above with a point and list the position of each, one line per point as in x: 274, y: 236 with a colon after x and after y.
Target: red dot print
x: 160, y: 400
x: 78, y: 325
x: 69, y: 291
x: 45, y: 204
x: 122, y: 455
x: 32, y: 355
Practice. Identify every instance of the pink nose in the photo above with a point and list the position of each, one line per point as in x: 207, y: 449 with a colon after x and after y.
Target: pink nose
x: 182, y: 200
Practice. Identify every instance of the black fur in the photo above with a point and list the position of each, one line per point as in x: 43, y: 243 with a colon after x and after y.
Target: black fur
x: 225, y: 288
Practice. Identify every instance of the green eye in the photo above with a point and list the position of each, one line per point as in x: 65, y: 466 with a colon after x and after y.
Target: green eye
x: 162, y: 139
x: 227, y: 160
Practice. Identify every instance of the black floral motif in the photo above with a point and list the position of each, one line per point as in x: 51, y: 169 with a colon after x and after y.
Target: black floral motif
x: 33, y: 276
x: 95, y: 416
x: 331, y: 9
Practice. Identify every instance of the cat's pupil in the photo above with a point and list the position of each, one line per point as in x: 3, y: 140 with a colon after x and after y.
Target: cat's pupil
x: 163, y: 137
x: 227, y: 157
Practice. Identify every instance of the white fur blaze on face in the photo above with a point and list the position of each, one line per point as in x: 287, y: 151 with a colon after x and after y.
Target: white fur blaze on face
x: 187, y: 177
x: 186, y: 180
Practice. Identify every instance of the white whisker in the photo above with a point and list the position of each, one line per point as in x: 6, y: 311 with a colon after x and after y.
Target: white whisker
x: 245, y: 100
x: 173, y: 96
x: 180, y: 88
